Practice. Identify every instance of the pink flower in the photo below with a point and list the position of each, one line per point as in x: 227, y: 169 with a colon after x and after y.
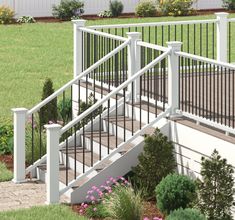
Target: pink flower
x: 92, y: 198
x: 94, y: 187
x: 95, y: 209
x: 85, y: 206
x: 145, y: 218
x: 156, y: 218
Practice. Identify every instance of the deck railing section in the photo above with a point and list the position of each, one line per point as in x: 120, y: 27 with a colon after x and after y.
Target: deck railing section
x: 207, y: 90
x: 198, y: 36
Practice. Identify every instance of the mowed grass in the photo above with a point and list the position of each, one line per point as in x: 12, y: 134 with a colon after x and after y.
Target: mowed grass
x: 52, y: 212
x: 5, y: 174
x: 30, y: 53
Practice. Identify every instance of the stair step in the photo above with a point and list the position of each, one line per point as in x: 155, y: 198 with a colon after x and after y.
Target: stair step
x: 128, y: 123
x: 87, y: 154
x: 62, y: 174
x: 104, y: 139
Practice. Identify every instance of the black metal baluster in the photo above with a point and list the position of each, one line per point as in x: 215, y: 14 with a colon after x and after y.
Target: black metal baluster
x: 66, y: 159
x: 32, y: 127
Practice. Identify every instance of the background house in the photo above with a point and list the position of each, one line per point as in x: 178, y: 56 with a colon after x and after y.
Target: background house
x: 43, y: 8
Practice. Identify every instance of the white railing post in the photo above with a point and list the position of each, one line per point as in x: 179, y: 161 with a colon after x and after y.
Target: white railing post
x: 134, y: 61
x: 52, y: 176
x: 77, y: 50
x: 20, y: 115
x: 222, y: 36
x: 173, y: 76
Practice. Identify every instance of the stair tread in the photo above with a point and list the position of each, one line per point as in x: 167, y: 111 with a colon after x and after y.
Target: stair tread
x: 128, y: 122
x: 62, y: 174
x: 104, y: 139
x: 79, y: 155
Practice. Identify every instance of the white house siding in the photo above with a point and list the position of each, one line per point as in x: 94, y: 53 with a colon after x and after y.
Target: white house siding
x: 43, y: 8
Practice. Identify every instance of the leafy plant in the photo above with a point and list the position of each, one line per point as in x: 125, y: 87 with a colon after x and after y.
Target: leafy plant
x: 6, y: 15
x: 146, y: 9
x: 68, y: 9
x: 229, y: 4
x: 156, y: 162
x: 97, y: 211
x: 26, y: 19
x: 6, y: 138
x: 65, y: 109
x: 216, y: 190
x: 124, y: 204
x: 175, y: 7
x: 116, y: 8
x: 174, y: 192
x: 105, y: 14
x: 189, y: 214
x: 49, y: 111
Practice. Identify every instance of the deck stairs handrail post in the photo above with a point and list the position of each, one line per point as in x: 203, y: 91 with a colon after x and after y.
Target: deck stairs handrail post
x: 77, y: 45
x: 52, y: 175
x: 173, y: 76
x: 222, y: 36
x: 134, y: 62
x: 20, y: 117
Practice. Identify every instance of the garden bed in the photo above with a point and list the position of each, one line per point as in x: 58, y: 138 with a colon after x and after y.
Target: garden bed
x: 7, y: 160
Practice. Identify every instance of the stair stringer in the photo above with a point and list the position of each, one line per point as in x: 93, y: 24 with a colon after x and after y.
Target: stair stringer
x: 120, y: 167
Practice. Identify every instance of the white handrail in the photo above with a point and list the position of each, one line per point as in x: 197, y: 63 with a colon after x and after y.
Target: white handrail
x: 231, y: 20
x: 152, y: 46
x: 118, y: 149
x: 152, y: 24
x: 206, y: 60
x: 103, y: 34
x: 114, y: 92
x: 79, y: 77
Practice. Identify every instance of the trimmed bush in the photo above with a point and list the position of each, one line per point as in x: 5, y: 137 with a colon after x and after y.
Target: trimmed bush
x: 116, y: 8
x: 216, y: 190
x: 229, y: 4
x: 176, y: 7
x: 174, y: 192
x: 105, y: 14
x: 189, y: 214
x: 68, y: 9
x: 49, y: 111
x: 146, y: 9
x: 6, y: 15
x: 155, y: 162
x: 26, y: 19
x: 124, y: 204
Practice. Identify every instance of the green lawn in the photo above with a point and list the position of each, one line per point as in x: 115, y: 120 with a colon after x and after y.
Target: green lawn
x: 55, y: 212
x: 5, y: 174
x: 30, y: 53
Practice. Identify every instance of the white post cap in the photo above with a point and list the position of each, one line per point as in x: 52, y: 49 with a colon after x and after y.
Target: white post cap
x: 134, y: 35
x: 19, y: 110
x: 79, y: 22
x: 175, y: 45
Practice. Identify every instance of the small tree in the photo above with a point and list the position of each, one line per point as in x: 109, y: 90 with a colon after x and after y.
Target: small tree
x: 216, y: 189
x: 49, y: 111
x: 156, y: 162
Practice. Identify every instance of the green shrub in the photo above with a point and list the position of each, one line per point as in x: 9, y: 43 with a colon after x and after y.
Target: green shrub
x: 176, y: 7
x: 124, y: 204
x: 229, y: 4
x: 5, y: 174
x: 116, y: 7
x: 146, y: 9
x: 156, y: 162
x: 174, y: 192
x: 6, y: 15
x: 65, y: 109
x: 49, y: 111
x: 189, y: 214
x: 6, y: 138
x: 68, y: 9
x: 216, y: 190
x: 26, y: 19
x: 105, y: 14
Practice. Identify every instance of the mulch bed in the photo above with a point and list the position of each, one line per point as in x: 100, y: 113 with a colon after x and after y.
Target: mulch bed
x: 8, y: 160
x: 150, y: 210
